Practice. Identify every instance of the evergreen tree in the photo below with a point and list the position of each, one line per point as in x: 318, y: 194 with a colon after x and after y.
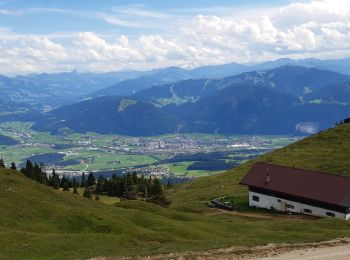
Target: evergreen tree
x: 65, y: 186
x: 83, y: 184
x: 100, y: 185
x: 54, y: 180
x: 64, y: 183
x: 142, y: 187
x: 157, y: 189
x: 75, y: 185
x: 2, y: 164
x: 91, y: 179
x: 135, y: 178
x: 13, y: 166
x: 87, y: 193
x: 70, y: 183
x: 38, y: 174
x: 28, y: 171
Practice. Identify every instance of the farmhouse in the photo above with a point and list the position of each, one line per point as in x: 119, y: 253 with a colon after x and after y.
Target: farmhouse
x: 294, y: 190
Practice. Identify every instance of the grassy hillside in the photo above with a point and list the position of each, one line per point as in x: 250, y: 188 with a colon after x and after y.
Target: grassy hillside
x: 38, y: 222
x: 328, y: 152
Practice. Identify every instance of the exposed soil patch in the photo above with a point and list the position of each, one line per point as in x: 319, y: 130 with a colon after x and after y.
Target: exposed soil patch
x: 334, y: 249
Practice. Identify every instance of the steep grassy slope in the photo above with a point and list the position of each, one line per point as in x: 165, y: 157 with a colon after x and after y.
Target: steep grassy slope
x: 38, y: 222
x: 328, y: 152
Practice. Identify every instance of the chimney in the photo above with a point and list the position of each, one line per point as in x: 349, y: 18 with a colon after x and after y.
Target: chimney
x: 267, y: 175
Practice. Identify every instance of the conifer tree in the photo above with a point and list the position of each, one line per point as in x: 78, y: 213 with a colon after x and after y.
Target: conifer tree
x: 2, y: 164
x: 87, y: 193
x: 75, y: 185
x: 13, y: 166
x: 28, y: 171
x: 83, y: 181
x: 157, y: 189
x: 54, y: 180
x: 135, y: 178
x: 100, y: 185
x: 91, y: 179
x: 64, y: 183
x: 65, y: 186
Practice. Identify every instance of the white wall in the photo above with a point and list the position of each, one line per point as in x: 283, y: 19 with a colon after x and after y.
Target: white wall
x: 279, y: 204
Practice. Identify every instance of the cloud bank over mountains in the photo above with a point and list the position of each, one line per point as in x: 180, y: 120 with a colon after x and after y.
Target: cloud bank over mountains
x: 318, y: 29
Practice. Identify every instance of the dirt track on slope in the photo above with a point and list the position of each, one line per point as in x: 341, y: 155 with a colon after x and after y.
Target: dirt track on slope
x: 338, y: 249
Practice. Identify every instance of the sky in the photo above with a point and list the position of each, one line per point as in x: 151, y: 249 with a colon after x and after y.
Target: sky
x: 85, y: 35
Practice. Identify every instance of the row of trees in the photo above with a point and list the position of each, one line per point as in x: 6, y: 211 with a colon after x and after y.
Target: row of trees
x: 129, y: 186
x: 132, y: 186
x: 2, y: 164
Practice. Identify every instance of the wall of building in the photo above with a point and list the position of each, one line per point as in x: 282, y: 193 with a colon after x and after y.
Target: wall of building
x: 270, y: 202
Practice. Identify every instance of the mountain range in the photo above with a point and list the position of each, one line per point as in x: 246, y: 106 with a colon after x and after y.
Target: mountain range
x: 43, y: 92
x: 284, y: 100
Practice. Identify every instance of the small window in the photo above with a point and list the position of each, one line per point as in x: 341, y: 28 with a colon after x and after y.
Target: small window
x: 256, y: 198
x: 330, y: 214
x: 289, y: 206
x: 308, y: 211
x: 279, y: 200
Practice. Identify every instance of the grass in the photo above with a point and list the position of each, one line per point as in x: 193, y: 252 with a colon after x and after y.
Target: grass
x: 37, y: 222
x: 328, y: 152
x: 104, y: 199
x: 180, y: 168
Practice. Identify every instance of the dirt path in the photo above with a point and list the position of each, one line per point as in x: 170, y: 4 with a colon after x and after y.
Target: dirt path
x: 334, y: 253
x: 335, y: 249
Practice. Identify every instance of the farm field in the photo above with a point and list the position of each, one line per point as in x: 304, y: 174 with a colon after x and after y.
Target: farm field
x: 73, y: 153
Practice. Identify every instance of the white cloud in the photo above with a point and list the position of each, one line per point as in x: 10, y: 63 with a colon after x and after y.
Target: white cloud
x: 318, y: 28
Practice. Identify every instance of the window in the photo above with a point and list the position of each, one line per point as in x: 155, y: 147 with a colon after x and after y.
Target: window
x: 289, y: 206
x: 256, y: 198
x: 330, y: 214
x: 308, y: 211
x: 279, y: 200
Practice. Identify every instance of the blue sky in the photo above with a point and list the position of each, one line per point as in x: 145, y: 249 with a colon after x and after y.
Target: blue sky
x: 50, y: 36
x: 43, y: 17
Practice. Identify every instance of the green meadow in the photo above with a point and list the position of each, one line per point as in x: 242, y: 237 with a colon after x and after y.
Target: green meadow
x: 37, y: 222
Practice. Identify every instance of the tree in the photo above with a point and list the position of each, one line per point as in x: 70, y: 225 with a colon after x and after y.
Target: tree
x: 83, y: 184
x: 28, y: 170
x: 65, y: 183
x: 13, y: 166
x: 100, y: 185
x: 157, y: 189
x: 135, y: 178
x: 157, y: 194
x: 54, y: 180
x: 91, y: 179
x: 2, y: 164
x: 87, y: 193
x: 38, y: 174
x: 75, y: 185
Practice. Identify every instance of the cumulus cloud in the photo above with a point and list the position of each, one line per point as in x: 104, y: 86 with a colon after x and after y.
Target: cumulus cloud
x: 318, y: 28
x: 308, y: 127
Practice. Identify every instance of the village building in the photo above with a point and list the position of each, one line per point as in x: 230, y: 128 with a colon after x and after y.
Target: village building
x: 293, y: 190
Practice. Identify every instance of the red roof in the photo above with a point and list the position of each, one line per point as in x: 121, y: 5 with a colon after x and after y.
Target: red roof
x: 306, y: 184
